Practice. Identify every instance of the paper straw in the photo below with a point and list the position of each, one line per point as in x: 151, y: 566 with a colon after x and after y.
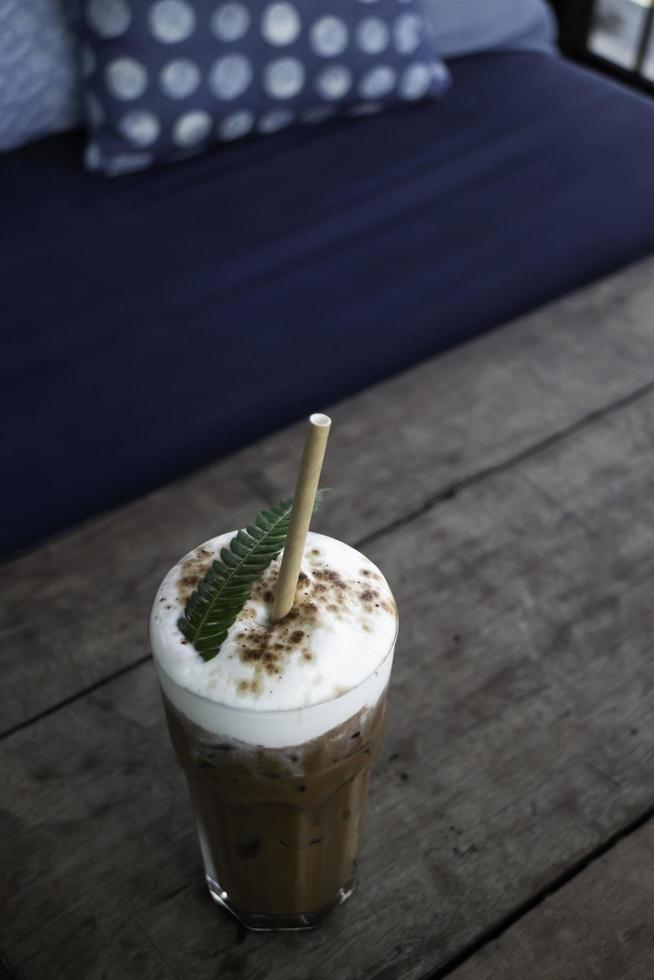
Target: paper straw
x: 303, y: 501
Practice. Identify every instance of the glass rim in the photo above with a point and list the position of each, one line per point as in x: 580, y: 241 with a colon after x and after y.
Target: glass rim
x: 280, y: 711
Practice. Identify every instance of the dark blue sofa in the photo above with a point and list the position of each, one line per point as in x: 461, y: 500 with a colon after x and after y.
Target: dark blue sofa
x: 156, y: 322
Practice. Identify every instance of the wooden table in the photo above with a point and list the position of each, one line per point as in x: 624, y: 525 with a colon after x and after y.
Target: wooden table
x: 507, y: 489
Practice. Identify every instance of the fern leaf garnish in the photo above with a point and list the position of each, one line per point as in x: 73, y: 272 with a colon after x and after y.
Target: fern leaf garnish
x: 214, y: 605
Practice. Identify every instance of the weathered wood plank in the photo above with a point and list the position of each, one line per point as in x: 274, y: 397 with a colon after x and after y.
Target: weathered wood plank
x: 520, y: 738
x: 598, y: 927
x: 444, y: 420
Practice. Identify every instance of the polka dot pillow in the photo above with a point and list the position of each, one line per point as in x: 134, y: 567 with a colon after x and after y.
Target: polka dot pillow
x: 166, y: 78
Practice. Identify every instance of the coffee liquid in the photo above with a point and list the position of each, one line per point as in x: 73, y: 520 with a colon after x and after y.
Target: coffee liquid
x: 279, y: 828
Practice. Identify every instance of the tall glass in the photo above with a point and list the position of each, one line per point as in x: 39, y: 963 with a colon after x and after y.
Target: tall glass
x: 277, y: 732
x: 280, y: 826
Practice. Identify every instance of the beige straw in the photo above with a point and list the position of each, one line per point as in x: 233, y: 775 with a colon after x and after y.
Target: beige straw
x: 303, y: 501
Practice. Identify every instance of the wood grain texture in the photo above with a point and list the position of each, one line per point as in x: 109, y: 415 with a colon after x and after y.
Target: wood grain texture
x: 474, y: 408
x: 599, y: 927
x: 520, y: 738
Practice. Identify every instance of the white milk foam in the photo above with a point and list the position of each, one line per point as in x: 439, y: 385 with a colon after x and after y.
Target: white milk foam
x: 334, y: 662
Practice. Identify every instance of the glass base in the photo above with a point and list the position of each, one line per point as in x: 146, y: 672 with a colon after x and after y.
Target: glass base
x: 268, y: 922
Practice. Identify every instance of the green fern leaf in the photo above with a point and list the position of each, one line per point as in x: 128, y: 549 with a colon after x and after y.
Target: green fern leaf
x: 214, y: 605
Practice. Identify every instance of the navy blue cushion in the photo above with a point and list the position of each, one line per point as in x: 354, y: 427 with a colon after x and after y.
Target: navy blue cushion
x: 169, y: 77
x: 321, y: 260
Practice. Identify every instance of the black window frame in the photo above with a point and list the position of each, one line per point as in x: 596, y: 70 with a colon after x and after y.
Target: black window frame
x: 575, y: 19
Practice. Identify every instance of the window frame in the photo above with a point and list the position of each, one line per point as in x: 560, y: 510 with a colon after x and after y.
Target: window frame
x: 575, y: 21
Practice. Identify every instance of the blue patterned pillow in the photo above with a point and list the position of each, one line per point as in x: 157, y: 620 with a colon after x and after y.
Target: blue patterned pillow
x: 38, y: 71
x: 166, y: 78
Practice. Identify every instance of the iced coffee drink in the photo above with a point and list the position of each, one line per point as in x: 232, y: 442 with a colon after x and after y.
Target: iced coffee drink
x: 278, y: 732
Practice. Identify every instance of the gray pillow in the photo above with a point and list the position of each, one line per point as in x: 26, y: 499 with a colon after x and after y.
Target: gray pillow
x: 38, y: 74
x: 467, y: 26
